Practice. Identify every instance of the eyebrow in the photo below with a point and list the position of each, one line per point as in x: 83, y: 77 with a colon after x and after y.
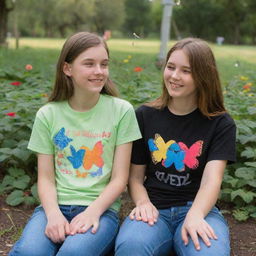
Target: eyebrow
x: 89, y: 59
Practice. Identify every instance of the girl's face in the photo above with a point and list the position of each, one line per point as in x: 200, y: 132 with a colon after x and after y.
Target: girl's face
x: 178, y: 77
x: 89, y: 70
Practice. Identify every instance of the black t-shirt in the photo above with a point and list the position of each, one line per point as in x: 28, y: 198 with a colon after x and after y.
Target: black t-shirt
x: 176, y: 149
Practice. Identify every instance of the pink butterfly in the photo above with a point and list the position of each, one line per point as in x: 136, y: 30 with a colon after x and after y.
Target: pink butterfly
x: 191, y: 153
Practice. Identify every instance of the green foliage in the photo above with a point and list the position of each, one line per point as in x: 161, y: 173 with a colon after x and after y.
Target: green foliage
x: 17, y: 183
x: 239, y: 185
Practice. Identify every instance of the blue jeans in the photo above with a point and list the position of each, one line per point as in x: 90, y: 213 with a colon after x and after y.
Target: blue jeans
x: 137, y: 238
x: 34, y: 242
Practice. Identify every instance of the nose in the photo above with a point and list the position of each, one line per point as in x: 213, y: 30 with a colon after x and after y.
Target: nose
x: 175, y: 74
x: 98, y: 69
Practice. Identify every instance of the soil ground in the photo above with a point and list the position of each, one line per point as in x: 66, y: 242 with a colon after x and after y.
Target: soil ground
x: 13, y: 219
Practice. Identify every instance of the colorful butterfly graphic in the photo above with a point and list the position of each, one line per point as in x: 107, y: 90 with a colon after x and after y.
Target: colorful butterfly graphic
x: 60, y: 139
x: 174, y: 155
x: 191, y: 153
x: 77, y: 157
x: 158, y: 148
x: 81, y: 174
x: 93, y: 157
x: 97, y: 173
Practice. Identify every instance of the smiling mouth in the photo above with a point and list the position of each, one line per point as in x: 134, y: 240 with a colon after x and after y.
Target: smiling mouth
x: 175, y: 85
x: 95, y: 80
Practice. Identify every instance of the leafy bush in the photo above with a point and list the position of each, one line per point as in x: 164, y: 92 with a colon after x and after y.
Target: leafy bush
x: 239, y: 185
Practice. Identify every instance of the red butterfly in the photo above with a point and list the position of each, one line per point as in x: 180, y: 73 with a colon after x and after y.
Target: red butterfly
x: 191, y: 153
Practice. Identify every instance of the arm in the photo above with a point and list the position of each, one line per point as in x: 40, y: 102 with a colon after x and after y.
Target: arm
x: 144, y: 209
x: 120, y: 172
x: 207, y: 195
x: 57, y: 225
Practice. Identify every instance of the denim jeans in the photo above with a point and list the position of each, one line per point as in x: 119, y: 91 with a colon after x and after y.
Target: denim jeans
x: 137, y: 238
x: 34, y: 242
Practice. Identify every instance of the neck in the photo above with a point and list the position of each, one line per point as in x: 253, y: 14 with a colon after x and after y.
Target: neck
x: 181, y: 107
x: 83, y: 102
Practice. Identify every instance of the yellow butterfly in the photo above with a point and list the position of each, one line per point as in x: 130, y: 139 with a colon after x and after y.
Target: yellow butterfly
x: 81, y: 174
x: 158, y: 148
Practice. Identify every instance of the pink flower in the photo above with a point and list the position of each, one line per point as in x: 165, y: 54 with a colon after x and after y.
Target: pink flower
x: 28, y: 67
x: 17, y: 83
x: 137, y: 69
x: 12, y: 114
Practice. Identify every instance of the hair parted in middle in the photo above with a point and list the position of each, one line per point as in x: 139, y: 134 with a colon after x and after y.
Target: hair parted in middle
x: 205, y: 74
x: 74, y: 46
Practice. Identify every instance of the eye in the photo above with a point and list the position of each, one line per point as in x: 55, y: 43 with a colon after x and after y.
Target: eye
x: 187, y: 71
x: 170, y: 67
x: 88, y: 64
x: 104, y: 64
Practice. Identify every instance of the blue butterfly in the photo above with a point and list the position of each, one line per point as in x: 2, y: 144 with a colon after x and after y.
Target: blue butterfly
x: 60, y: 139
x: 174, y: 155
x: 77, y: 157
x: 97, y: 173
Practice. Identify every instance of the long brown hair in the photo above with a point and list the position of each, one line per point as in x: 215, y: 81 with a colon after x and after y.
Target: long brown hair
x: 205, y: 74
x: 75, y: 45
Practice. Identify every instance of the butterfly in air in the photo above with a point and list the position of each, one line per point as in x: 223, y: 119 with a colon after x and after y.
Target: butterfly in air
x: 60, y: 139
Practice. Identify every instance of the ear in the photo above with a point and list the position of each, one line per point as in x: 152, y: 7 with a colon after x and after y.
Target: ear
x: 67, y: 69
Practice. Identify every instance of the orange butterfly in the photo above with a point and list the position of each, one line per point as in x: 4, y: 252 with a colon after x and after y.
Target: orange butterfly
x: 81, y: 174
x: 92, y: 157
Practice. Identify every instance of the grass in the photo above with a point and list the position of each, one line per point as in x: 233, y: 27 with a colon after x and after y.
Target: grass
x: 43, y: 53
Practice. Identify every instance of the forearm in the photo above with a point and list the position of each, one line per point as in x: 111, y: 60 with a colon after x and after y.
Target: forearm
x: 208, y: 192
x: 48, y: 196
x: 108, y: 196
x: 46, y: 184
x: 205, y: 199
x: 138, y: 192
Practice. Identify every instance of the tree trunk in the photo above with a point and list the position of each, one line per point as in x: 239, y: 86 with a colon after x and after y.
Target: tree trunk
x: 3, y: 22
x: 4, y: 11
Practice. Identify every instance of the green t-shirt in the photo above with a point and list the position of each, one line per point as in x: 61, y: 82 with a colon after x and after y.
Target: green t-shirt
x: 83, y: 145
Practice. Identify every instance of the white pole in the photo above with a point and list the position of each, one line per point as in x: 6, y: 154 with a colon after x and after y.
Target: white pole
x: 165, y: 29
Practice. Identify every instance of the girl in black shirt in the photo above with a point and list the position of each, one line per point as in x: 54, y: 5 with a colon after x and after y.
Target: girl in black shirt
x: 178, y: 165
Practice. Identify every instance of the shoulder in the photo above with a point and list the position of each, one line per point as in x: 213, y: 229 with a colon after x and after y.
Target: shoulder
x: 224, y: 120
x: 50, y: 108
x: 147, y: 113
x: 116, y: 103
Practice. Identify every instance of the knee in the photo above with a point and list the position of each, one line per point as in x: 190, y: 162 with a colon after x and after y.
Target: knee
x: 130, y: 244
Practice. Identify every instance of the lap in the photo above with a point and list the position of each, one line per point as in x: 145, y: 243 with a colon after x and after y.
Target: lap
x: 34, y: 242
x: 220, y: 247
x: 138, y: 238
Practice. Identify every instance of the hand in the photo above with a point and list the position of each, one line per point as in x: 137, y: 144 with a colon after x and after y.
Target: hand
x: 194, y: 226
x: 146, y: 212
x: 57, y: 228
x: 84, y: 221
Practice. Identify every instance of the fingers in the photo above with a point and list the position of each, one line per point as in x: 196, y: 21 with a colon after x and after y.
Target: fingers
x: 184, y: 235
x: 147, y: 214
x: 56, y: 234
x: 205, y: 232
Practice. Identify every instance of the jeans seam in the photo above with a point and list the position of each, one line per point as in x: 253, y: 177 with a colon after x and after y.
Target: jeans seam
x: 113, y: 239
x: 160, y: 246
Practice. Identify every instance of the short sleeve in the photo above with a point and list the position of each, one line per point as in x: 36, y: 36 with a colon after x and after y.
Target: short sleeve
x: 139, y: 149
x: 223, y: 145
x: 40, y: 139
x: 128, y: 129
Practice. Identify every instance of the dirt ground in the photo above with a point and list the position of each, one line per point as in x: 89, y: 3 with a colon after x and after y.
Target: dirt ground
x: 13, y: 219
